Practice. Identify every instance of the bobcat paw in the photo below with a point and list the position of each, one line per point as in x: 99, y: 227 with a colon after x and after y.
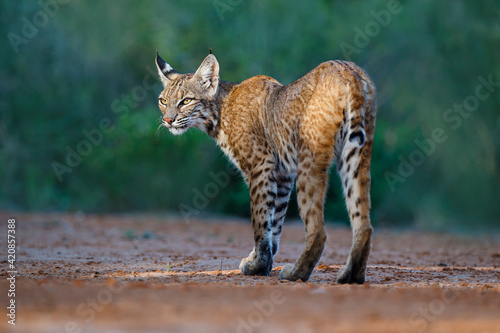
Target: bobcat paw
x: 347, y: 275
x: 251, y: 257
x: 256, y: 265
x: 256, y: 268
x: 288, y: 273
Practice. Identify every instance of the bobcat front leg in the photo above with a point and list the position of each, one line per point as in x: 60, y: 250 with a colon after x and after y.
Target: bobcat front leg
x: 262, y: 196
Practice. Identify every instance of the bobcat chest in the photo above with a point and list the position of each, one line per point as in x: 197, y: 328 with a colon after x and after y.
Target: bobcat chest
x: 222, y: 142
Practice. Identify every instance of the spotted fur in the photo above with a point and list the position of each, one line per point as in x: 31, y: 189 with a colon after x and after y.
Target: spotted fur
x: 280, y: 134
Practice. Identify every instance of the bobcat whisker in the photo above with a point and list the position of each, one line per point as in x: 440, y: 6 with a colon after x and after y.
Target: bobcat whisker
x: 158, y: 131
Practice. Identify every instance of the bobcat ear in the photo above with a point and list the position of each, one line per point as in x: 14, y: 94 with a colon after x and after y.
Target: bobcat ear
x: 207, y: 76
x: 165, y: 71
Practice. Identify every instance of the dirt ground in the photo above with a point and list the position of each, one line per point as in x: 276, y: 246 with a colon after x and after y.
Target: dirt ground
x: 147, y: 273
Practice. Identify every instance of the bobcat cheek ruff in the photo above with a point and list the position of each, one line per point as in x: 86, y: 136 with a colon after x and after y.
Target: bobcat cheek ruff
x: 278, y: 135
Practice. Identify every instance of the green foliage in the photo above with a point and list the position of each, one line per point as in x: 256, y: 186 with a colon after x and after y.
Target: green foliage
x: 93, y: 61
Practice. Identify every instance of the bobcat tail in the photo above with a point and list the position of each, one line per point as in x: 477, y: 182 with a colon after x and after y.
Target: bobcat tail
x: 355, y: 122
x: 352, y: 135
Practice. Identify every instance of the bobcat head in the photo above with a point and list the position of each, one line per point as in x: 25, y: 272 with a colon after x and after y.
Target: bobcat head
x: 186, y: 98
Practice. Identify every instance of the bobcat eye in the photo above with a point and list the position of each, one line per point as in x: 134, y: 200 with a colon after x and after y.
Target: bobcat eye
x: 186, y: 101
x: 163, y: 101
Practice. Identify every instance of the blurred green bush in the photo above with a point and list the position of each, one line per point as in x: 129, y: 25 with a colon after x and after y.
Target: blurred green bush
x: 92, y: 61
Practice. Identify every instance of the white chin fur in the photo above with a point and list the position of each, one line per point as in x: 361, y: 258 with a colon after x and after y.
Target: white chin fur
x: 177, y: 131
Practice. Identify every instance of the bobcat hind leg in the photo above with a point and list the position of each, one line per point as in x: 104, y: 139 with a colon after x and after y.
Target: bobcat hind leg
x: 354, y: 171
x: 312, y: 180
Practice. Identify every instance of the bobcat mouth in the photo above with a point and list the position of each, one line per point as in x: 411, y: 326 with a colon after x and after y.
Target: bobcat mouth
x: 176, y: 130
x: 178, y: 126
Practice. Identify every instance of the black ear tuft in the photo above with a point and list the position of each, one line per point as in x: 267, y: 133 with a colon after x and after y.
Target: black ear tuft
x: 166, y: 72
x: 210, y: 50
x: 162, y: 65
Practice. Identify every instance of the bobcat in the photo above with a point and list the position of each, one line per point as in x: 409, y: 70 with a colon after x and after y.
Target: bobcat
x: 275, y: 133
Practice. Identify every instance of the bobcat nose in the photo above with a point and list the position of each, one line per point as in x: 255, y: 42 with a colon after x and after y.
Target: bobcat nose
x: 169, y: 120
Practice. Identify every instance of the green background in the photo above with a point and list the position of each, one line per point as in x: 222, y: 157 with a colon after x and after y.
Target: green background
x: 66, y: 68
